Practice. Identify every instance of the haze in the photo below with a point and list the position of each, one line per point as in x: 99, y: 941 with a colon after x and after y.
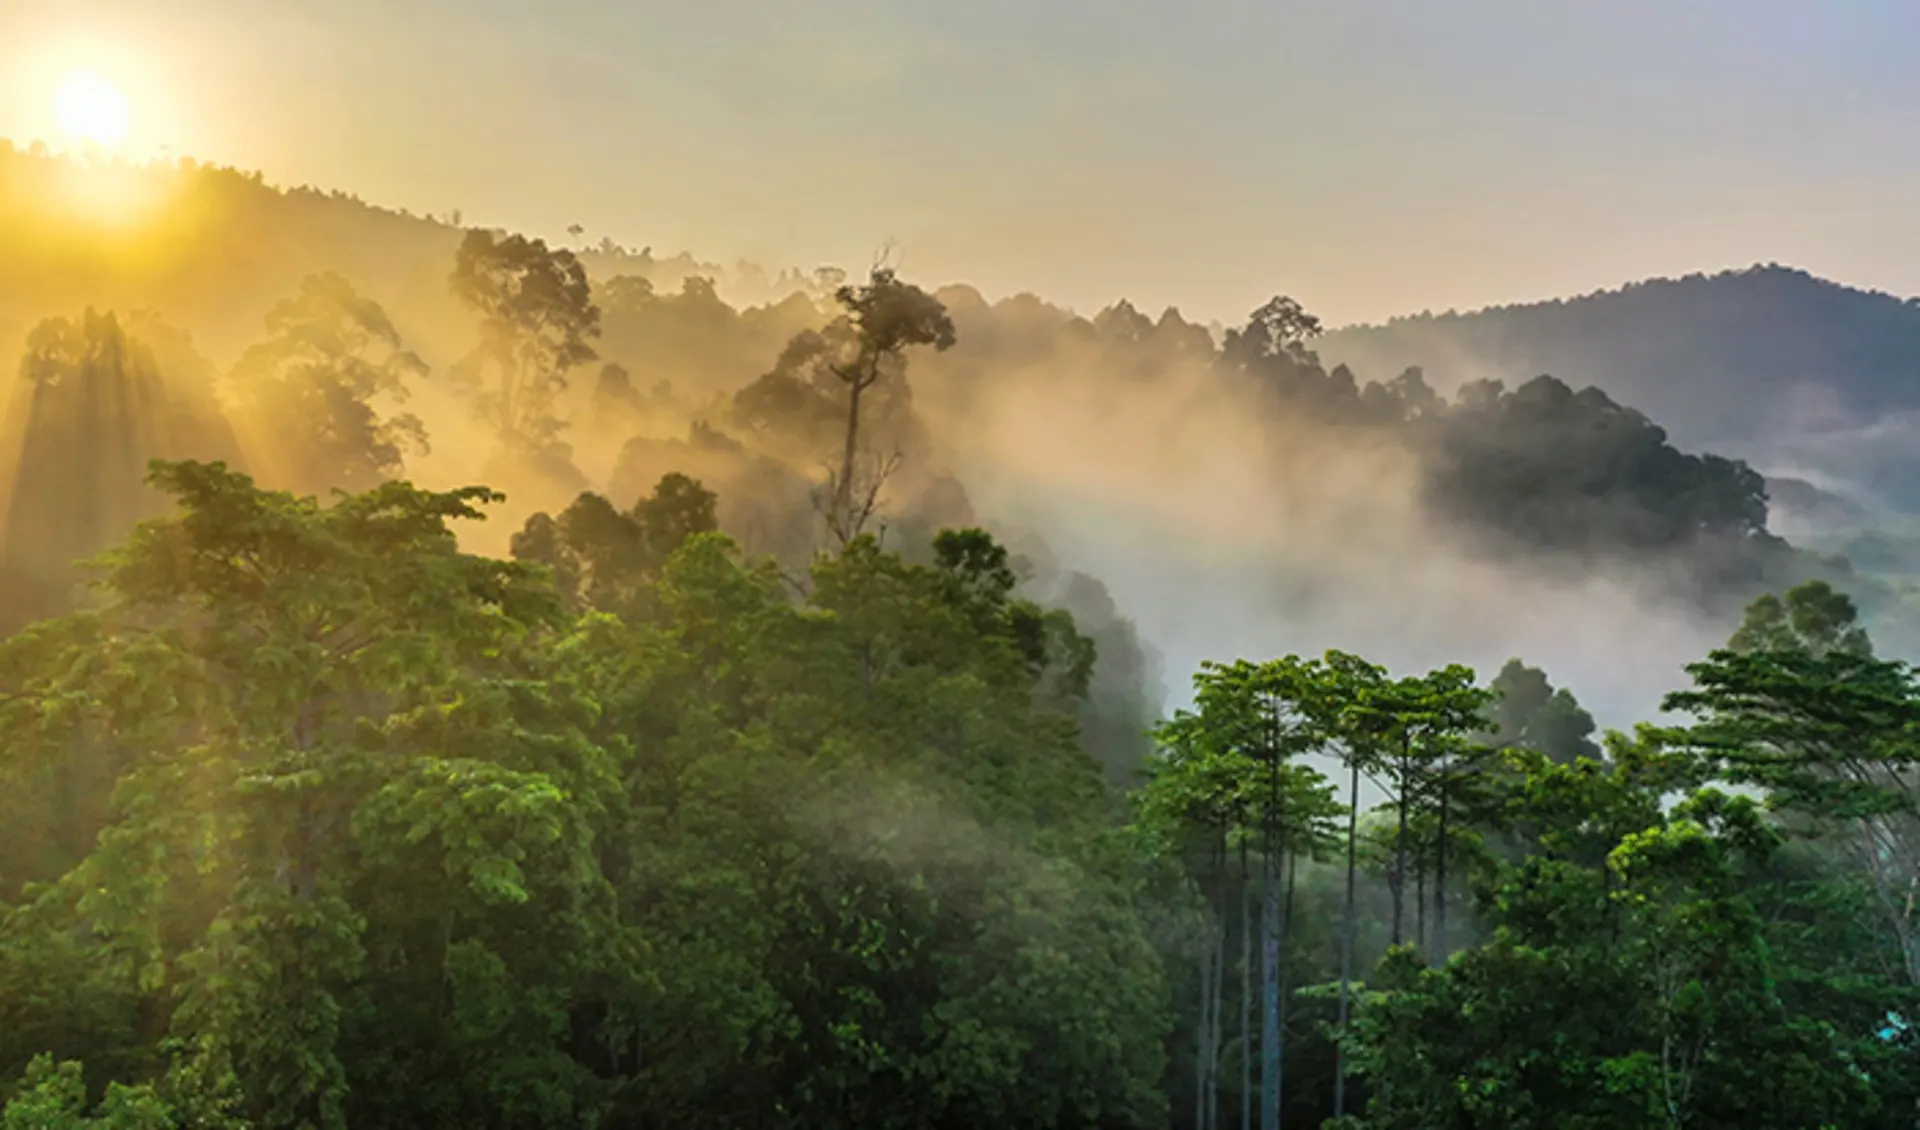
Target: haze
x: 760, y: 566
x: 1371, y: 157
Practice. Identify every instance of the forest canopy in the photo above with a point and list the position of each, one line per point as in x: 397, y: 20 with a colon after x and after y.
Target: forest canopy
x: 454, y: 679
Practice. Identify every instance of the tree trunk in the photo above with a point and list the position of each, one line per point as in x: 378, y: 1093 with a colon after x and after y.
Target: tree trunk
x: 1270, y: 943
x: 1246, y: 993
x: 1213, y: 990
x: 1200, y: 1040
x: 1399, y: 882
x: 1346, y: 943
x: 1270, y: 993
x: 1286, y: 938
x: 844, y: 502
x: 1440, y: 885
x: 509, y: 379
x: 1419, y: 903
x: 1219, y: 1001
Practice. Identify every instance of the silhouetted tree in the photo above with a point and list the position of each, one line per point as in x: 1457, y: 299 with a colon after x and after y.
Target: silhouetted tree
x: 537, y: 320
x: 603, y: 558
x: 96, y: 411
x: 311, y: 385
x: 887, y: 316
x: 1528, y: 713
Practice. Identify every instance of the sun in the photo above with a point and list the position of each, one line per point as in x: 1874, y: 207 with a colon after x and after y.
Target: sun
x: 89, y: 108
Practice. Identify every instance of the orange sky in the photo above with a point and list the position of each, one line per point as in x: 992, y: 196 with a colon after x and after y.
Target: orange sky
x: 1370, y: 157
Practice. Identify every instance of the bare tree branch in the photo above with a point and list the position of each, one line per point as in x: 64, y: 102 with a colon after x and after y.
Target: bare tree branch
x: 847, y: 506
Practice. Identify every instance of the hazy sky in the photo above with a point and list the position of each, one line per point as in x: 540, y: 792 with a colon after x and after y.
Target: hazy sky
x: 1367, y: 156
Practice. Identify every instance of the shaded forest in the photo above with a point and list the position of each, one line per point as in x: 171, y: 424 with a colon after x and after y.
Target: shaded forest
x: 454, y: 679
x: 1795, y: 373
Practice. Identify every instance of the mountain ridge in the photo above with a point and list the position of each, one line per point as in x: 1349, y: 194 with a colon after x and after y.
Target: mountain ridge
x: 1769, y: 363
x: 1691, y: 277
x: 606, y: 256
x: 1566, y: 479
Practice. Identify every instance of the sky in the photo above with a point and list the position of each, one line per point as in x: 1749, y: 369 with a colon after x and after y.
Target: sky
x: 1368, y: 157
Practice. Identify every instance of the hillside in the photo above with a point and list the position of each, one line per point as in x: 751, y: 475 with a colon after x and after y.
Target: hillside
x: 213, y: 248
x: 1767, y: 363
x: 810, y: 657
x: 1794, y: 373
x: 1004, y: 661
x: 1221, y: 487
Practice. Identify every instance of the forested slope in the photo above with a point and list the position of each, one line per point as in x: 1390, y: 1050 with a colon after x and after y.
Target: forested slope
x: 741, y: 766
x: 213, y: 248
x: 1768, y: 362
x: 696, y: 365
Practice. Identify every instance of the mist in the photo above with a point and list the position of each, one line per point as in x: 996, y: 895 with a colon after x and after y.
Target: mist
x: 835, y: 718
x: 1221, y: 524
x: 1224, y: 533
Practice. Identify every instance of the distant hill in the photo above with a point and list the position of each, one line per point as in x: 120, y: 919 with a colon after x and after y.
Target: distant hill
x: 1800, y: 376
x: 212, y: 248
x: 1771, y: 364
x: 1613, y: 463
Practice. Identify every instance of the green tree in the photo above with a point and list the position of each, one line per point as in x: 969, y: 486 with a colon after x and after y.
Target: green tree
x: 1830, y: 738
x: 879, y: 886
x: 54, y: 1097
x: 1628, y: 983
x: 344, y: 803
x: 1417, y: 725
x: 605, y: 559
x: 1453, y: 796
x: 1412, y: 731
x: 1349, y: 703
x: 1811, y: 617
x: 1529, y: 713
x: 1227, y: 775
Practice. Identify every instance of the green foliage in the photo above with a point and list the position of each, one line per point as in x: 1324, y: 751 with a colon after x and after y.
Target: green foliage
x: 1530, y: 713
x: 1829, y: 737
x: 313, y: 819
x: 54, y: 1097
x: 1225, y: 771
x: 299, y: 672
x: 395, y: 841
x: 395, y: 835
x: 1577, y: 473
x: 1831, y: 734
x: 1635, y: 990
x: 1810, y: 617
x: 603, y: 559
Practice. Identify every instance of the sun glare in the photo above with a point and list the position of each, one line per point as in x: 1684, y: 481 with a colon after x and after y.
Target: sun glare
x: 91, y: 109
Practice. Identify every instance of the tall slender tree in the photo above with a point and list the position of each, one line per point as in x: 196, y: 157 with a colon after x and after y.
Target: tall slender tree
x: 1231, y: 763
x: 1349, y: 707
x: 888, y: 316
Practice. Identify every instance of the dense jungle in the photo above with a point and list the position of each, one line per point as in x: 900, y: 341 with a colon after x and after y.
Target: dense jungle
x: 453, y: 678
